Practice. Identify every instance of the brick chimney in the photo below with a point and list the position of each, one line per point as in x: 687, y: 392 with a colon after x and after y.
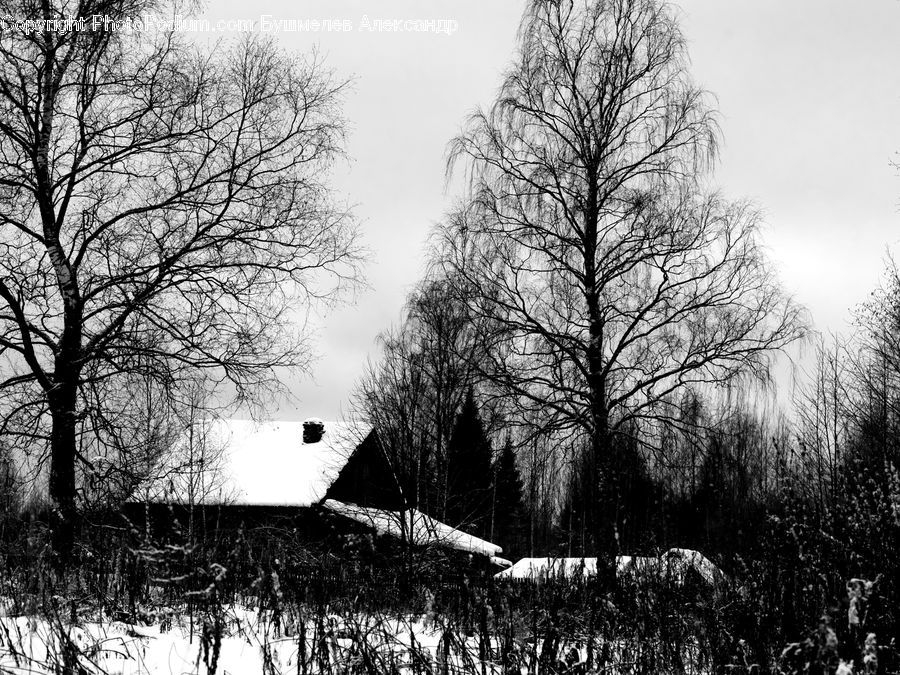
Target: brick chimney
x: 313, y: 430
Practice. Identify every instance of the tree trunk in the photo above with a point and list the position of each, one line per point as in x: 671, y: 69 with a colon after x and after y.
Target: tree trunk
x: 62, y: 398
x: 599, y: 483
x: 63, y: 445
x: 600, y: 499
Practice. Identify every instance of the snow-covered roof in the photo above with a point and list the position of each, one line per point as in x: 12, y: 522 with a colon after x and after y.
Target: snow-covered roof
x: 414, y: 526
x: 674, y: 563
x: 243, y: 462
x: 544, y: 568
x: 685, y: 558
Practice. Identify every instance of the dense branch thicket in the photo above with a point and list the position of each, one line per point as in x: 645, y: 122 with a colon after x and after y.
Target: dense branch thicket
x: 412, y: 395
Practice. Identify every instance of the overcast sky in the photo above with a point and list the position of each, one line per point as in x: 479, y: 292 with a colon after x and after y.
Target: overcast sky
x: 808, y: 90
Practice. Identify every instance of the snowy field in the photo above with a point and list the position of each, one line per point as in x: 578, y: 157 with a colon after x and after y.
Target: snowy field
x: 243, y: 642
x: 239, y: 641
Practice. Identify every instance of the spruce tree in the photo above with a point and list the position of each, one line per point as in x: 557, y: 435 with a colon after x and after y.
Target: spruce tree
x: 469, y: 472
x: 509, y: 516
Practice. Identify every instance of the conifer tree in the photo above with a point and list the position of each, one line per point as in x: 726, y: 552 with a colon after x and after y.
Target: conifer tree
x: 469, y: 472
x: 509, y: 508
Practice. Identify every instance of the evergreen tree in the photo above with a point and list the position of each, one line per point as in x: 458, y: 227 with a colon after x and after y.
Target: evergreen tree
x: 509, y: 516
x: 633, y: 500
x: 469, y: 472
x: 638, y: 506
x: 575, y: 522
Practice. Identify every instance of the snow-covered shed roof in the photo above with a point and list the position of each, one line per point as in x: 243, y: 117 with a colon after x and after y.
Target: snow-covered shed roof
x: 244, y: 462
x: 543, y: 568
x: 685, y: 558
x: 674, y: 564
x: 414, y: 526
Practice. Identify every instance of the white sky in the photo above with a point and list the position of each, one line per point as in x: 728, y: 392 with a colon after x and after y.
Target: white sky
x: 809, y: 92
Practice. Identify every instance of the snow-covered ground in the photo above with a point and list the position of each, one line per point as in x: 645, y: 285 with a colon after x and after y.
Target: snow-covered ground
x: 248, y: 642
x: 240, y: 641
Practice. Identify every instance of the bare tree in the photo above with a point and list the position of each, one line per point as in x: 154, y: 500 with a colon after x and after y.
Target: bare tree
x: 847, y: 407
x: 826, y: 402
x: 124, y: 437
x: 862, y: 377
x: 163, y: 211
x: 611, y: 279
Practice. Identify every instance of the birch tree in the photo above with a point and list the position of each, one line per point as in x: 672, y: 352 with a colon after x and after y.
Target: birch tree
x: 611, y: 277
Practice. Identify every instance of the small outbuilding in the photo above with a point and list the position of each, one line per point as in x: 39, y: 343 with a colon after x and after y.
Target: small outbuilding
x: 677, y: 565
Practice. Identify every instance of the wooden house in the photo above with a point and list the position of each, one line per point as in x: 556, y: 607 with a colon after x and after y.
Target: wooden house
x: 324, y: 480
